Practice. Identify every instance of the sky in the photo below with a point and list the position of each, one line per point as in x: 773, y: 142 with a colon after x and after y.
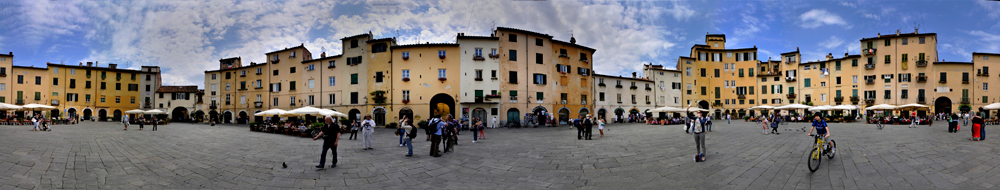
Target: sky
x: 187, y: 37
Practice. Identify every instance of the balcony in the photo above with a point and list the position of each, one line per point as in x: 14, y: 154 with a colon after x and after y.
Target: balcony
x: 789, y: 79
x: 921, y: 78
x: 869, y: 52
x: 983, y: 74
x: 869, y: 81
x: 768, y: 74
x: 649, y: 88
x: 406, y: 57
x: 585, y: 61
x: 922, y: 63
x: 870, y: 101
x: 633, y: 87
x: 479, y: 79
x: 478, y: 58
x: 741, y: 96
x: 649, y: 102
x: 921, y: 100
x: 564, y: 55
x: 442, y: 79
x: 494, y: 56
x: 942, y: 81
x: 243, y: 74
x: 442, y: 56
x: 275, y: 61
x: 869, y: 66
x: 479, y: 99
x: 601, y: 84
x: 55, y: 103
x: 965, y: 82
x: 406, y: 101
x: 406, y: 79
x: 838, y: 99
x: 213, y: 106
x: 260, y: 73
x: 258, y: 104
x: 488, y: 96
x: 564, y: 102
x: 790, y: 96
x: 583, y: 102
x: 965, y: 100
x: 258, y: 87
x: 618, y: 86
x: 855, y: 99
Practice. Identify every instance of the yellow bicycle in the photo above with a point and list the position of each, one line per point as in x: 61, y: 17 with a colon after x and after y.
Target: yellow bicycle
x: 820, y: 149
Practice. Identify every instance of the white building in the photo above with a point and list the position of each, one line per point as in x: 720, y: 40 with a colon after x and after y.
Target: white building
x: 177, y: 101
x: 668, y: 86
x: 480, y: 96
x: 148, y: 84
x: 617, y: 96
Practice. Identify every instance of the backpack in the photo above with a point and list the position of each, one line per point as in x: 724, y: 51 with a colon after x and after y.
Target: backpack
x: 412, y: 133
x: 432, y: 126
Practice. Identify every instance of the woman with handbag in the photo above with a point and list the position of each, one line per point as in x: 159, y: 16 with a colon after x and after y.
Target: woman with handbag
x: 354, y: 130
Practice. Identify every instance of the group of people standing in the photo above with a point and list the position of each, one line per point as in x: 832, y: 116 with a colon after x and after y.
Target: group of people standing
x: 978, y: 125
x: 141, y: 121
x: 771, y: 121
x: 585, y: 126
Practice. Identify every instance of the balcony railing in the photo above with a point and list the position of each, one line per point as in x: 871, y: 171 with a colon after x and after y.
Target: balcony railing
x: 213, y: 106
x: 942, y: 81
x: 921, y: 100
x: 870, y: 101
x: 742, y: 96
x: 494, y: 55
x: 869, y: 81
x: 789, y: 79
x: 258, y: 104
x: 488, y: 96
x: 768, y: 74
x: 633, y: 87
x: 869, y: 66
x: 790, y: 96
x: 564, y: 102
x: 838, y: 99
x: 921, y: 63
x: 19, y: 102
x: 55, y: 102
x: 478, y: 58
x: 869, y: 52
x: 983, y: 74
x: 965, y: 100
x: 583, y: 102
x: 965, y: 82
x: 855, y: 99
x: 921, y: 78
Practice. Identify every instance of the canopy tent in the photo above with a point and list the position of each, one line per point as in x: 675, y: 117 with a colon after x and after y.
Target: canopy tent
x: 993, y: 106
x: 762, y: 107
x: 135, y: 111
x: 821, y: 108
x: 154, y: 112
x: 792, y: 106
x: 36, y: 107
x: 881, y: 107
x: 913, y: 107
x: 270, y: 112
x: 4, y: 106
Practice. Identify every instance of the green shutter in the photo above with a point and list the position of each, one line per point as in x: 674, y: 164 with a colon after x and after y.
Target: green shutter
x: 751, y: 72
x: 741, y: 72
x: 807, y: 83
x: 838, y: 93
x: 539, y: 96
x: 854, y: 62
x: 479, y: 93
x: 751, y: 90
x: 718, y: 92
x: 854, y: 92
x: 763, y: 89
x: 513, y: 93
x: 791, y: 90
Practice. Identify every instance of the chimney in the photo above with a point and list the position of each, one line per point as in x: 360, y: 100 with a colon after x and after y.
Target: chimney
x: 322, y: 55
x: 81, y: 64
x: 915, y: 31
x: 829, y: 56
x: 897, y: 32
x: 845, y: 54
x: 90, y: 64
x: 112, y: 66
x: 633, y: 74
x: 572, y: 40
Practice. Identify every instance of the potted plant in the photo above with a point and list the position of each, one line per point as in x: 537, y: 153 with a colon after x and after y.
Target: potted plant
x: 618, y: 86
x: 406, y: 101
x: 601, y: 84
x: 442, y: 79
x: 406, y: 79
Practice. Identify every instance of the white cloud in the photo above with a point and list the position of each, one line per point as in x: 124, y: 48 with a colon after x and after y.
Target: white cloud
x: 48, y: 19
x: 819, y: 17
x: 833, y: 42
x: 987, y: 42
x: 681, y: 12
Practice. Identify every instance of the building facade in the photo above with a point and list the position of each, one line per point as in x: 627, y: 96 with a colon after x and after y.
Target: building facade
x: 480, y: 67
x: 618, y: 97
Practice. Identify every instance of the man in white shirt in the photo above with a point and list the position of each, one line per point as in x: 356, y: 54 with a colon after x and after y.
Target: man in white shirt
x: 494, y: 124
x: 125, y: 121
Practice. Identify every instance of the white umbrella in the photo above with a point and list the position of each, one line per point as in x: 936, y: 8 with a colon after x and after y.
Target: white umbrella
x: 36, y: 107
x: 695, y: 109
x: 881, y: 107
x: 308, y: 110
x: 4, y: 106
x: 821, y: 108
x: 667, y: 109
x: 994, y: 106
x: 844, y: 107
x: 154, y: 112
x: 270, y: 112
x: 762, y: 107
x: 913, y: 107
x: 792, y: 106
x: 135, y: 111
x: 332, y: 113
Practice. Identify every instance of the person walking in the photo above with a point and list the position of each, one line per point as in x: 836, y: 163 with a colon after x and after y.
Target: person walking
x: 729, y: 119
x: 155, y: 122
x: 764, y: 123
x: 453, y: 126
x: 331, y: 136
x: 355, y: 127
x: 439, y: 128
x: 35, y: 120
x: 141, y: 122
x: 775, y: 121
x: 125, y: 121
x: 494, y: 124
x: 698, y: 131
x: 952, y: 123
x: 368, y: 127
x: 579, y: 128
x: 913, y: 119
x: 600, y: 126
x: 410, y: 133
x: 475, y: 129
x: 588, y: 125
x: 400, y: 132
x: 482, y: 130
x: 966, y: 117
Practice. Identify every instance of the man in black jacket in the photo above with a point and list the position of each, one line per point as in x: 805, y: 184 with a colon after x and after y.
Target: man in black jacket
x: 588, y: 125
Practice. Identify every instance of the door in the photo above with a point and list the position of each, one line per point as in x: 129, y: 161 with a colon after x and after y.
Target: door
x: 513, y: 115
x: 379, y: 117
x: 480, y: 113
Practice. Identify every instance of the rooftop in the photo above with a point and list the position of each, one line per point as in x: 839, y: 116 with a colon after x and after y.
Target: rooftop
x: 286, y: 49
x: 523, y: 32
x: 428, y: 44
x: 914, y: 34
x: 171, y: 89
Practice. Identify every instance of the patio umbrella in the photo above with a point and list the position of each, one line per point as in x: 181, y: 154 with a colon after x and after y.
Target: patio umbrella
x: 792, y: 106
x: 913, y: 107
x: 666, y: 109
x: 36, y: 107
x: 763, y: 107
x: 881, y: 107
x: 308, y: 110
x: 135, y: 111
x: 695, y: 109
x: 154, y: 112
x: 4, y: 106
x: 270, y: 112
x: 821, y: 108
x: 844, y: 107
x: 993, y: 106
x: 331, y: 113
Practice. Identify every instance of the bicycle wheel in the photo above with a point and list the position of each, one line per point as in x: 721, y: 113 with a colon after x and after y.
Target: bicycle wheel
x: 833, y: 149
x: 814, y: 160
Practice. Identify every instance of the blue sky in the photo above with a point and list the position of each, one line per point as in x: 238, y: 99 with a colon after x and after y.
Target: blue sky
x: 187, y: 37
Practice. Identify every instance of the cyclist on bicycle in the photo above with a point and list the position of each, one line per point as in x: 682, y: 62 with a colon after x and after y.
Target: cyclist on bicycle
x: 819, y: 125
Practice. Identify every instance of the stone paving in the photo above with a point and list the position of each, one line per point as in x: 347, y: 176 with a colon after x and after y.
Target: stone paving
x: 99, y: 155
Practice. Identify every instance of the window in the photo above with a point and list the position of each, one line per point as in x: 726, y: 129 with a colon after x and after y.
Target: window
x: 512, y: 55
x: 243, y: 99
x: 312, y: 84
x: 103, y: 99
x: 354, y: 97
x: 442, y: 53
x: 406, y: 73
x: 20, y: 79
x: 87, y: 98
x: 539, y: 79
x: 38, y: 80
x: 512, y: 38
x: 921, y: 39
x: 55, y: 81
x: 291, y: 85
x: 538, y: 58
x: 291, y: 100
x: 887, y: 60
x: 493, y: 74
x: 822, y: 83
x: 275, y: 72
x: 479, y: 74
x: 854, y: 62
x: 965, y: 77
x: 807, y: 83
x: 118, y: 99
x: 539, y: 96
x: 378, y: 76
x: 442, y: 74
x: 406, y: 95
x: 354, y: 43
x: 688, y: 71
x: 903, y: 58
x: 888, y: 94
x: 538, y: 41
x: 333, y: 98
x: 854, y: 79
x: 274, y: 102
x: 887, y: 42
x: 600, y: 96
x: 838, y: 80
x: 985, y: 86
x: 478, y: 52
x: 822, y: 97
x: 290, y: 70
x: 104, y: 85
x: 903, y: 94
x: 308, y: 68
x: 512, y: 77
x: 354, y: 78
x: 904, y: 41
x: 717, y: 72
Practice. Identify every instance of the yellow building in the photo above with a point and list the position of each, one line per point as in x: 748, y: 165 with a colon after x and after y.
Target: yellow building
x: 573, y: 80
x: 379, y: 83
x: 6, y: 69
x: 771, y: 83
x: 286, y: 77
x: 723, y: 80
x: 430, y: 80
x: 982, y: 63
x: 892, y: 61
x: 525, y: 69
x: 31, y: 85
x: 355, y: 86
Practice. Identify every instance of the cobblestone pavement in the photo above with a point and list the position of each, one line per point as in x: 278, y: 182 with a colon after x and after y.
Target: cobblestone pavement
x: 630, y: 156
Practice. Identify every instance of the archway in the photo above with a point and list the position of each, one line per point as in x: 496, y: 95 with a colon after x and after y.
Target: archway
x: 480, y: 114
x: 87, y: 114
x: 619, y: 112
x: 354, y: 114
x: 540, y: 114
x: 227, y: 116
x: 703, y: 104
x: 603, y: 113
x: 718, y: 114
x: 563, y: 116
x: 408, y: 113
x: 634, y: 113
x: 118, y: 115
x: 584, y: 112
x: 179, y: 114
x: 379, y: 116
x: 72, y: 113
x: 102, y: 114
x: 213, y: 116
x: 243, y: 117
x: 513, y: 115
x: 942, y: 105
x: 442, y: 104
x: 199, y: 115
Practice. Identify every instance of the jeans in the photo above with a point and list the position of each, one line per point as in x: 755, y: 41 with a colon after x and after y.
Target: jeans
x: 354, y: 135
x: 708, y: 126
x: 588, y: 132
x: 402, y: 133
x: 475, y: 137
x: 435, y: 142
x: 328, y: 145
x: 154, y: 126
x: 409, y: 145
x: 699, y: 141
x: 579, y: 133
x: 982, y: 132
x: 367, y: 138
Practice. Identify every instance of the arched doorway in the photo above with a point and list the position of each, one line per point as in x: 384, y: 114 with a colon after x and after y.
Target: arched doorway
x: 563, y: 116
x: 72, y: 112
x: 703, y: 104
x: 480, y: 113
x: 619, y: 114
x: 603, y: 113
x: 213, y: 116
x: 408, y: 113
x: 179, y: 114
x: 718, y: 114
x: 584, y: 112
x: 102, y: 115
x: 634, y: 113
x: 942, y: 105
x: 198, y: 115
x: 354, y: 114
x: 118, y: 115
x: 87, y: 114
x: 227, y: 117
x: 513, y: 115
x: 243, y: 117
x: 540, y: 114
x: 442, y: 104
x: 379, y: 116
